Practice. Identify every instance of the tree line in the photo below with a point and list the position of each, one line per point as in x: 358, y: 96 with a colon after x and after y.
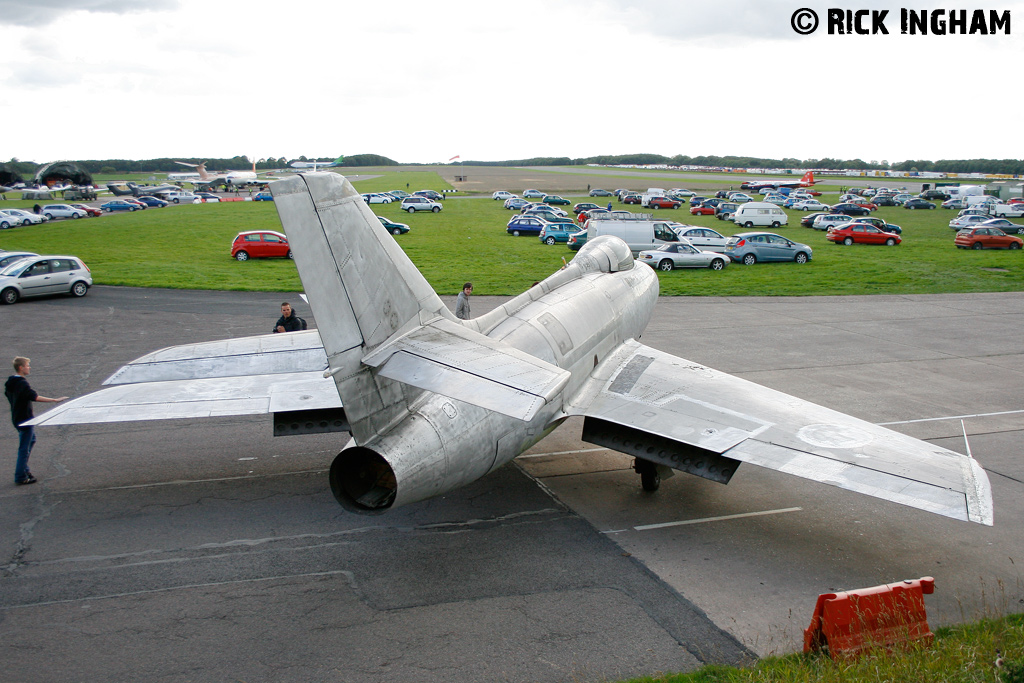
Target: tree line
x: 241, y: 163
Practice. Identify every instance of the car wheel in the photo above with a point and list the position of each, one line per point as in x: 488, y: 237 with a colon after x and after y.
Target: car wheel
x: 515, y: 233
x: 436, y: 209
x: 748, y: 224
x: 801, y: 258
x: 549, y: 240
x: 26, y: 222
x: 776, y: 225
x: 911, y: 207
x: 4, y: 225
x: 749, y: 260
x: 79, y: 289
x: 242, y: 256
x: 290, y: 254
x: 717, y: 264
x: 411, y: 209
x: 76, y: 216
x: 1014, y: 245
x: 49, y: 215
x: 666, y: 265
x: 9, y: 296
x: 105, y: 210
x: 176, y: 200
x: 976, y: 245
x: 396, y: 231
x: 890, y: 242
x: 848, y: 241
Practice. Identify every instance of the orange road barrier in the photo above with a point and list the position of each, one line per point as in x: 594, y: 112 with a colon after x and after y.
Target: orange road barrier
x: 850, y: 622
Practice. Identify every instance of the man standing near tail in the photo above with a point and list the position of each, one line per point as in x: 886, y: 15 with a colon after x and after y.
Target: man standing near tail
x: 21, y: 395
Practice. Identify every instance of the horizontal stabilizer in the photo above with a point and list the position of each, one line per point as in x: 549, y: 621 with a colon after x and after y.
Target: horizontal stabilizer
x: 670, y: 397
x: 454, y: 361
x: 211, y: 397
x: 265, y: 354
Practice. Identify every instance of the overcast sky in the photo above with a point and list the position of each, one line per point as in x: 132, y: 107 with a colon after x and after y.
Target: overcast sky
x: 423, y: 82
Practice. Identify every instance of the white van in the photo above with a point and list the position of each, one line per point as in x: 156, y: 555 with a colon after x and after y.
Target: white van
x: 639, y: 235
x: 760, y: 215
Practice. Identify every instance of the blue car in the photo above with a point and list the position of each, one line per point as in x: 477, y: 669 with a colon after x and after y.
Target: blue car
x: 525, y: 225
x: 152, y: 201
x: 118, y: 205
x: 263, y: 197
x: 553, y: 233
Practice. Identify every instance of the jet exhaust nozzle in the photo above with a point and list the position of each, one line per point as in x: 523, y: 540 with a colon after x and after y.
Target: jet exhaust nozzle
x: 363, y: 481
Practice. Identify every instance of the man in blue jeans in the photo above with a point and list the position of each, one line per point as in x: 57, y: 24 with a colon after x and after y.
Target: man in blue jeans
x: 21, y: 396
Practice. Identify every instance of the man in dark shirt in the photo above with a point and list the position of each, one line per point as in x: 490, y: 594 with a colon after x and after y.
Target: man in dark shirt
x: 288, y: 322
x: 21, y: 395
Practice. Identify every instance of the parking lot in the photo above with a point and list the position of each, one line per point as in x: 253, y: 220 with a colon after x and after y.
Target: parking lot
x: 208, y: 549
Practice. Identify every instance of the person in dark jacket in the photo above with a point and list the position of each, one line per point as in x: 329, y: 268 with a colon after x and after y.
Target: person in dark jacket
x: 288, y: 322
x: 21, y: 395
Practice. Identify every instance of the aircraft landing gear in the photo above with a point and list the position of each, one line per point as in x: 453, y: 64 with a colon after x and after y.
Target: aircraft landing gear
x: 650, y: 478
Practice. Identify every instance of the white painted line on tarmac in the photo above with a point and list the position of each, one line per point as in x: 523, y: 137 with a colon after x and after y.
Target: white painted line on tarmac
x: 648, y: 527
x: 951, y: 417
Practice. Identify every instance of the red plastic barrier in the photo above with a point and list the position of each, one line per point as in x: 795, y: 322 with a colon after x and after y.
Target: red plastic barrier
x: 882, y: 616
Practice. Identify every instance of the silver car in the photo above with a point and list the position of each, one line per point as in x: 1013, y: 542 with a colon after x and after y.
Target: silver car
x: 681, y: 255
x: 52, y: 211
x: 9, y: 257
x: 750, y: 247
x: 44, y: 275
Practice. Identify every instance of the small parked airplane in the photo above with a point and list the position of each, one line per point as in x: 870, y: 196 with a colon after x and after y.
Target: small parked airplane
x: 317, y: 164
x: 433, y: 402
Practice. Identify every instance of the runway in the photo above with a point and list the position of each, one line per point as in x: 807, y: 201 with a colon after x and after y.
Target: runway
x: 210, y: 550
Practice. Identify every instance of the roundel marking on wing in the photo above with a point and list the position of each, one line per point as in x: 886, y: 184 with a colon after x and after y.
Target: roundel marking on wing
x: 834, y: 436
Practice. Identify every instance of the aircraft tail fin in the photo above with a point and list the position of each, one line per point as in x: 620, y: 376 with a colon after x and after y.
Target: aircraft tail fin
x: 808, y: 178
x: 362, y: 289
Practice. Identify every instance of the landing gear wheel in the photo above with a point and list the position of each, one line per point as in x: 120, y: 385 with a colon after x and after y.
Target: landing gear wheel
x: 650, y: 479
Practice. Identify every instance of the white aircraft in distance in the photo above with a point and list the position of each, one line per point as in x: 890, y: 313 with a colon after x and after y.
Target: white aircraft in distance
x: 314, y: 165
x: 202, y: 178
x: 807, y: 180
x: 433, y: 402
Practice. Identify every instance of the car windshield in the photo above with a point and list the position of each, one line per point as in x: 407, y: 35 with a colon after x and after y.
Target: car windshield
x: 14, y: 269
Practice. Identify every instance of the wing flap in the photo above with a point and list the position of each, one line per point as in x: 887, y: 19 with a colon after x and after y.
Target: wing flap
x: 210, y: 397
x: 661, y: 394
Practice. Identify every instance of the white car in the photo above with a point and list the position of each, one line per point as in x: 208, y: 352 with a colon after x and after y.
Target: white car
x: 533, y: 194
x: 777, y: 199
x: 52, y: 211
x: 42, y: 275
x: 22, y: 217
x: 968, y: 221
x: 503, y: 195
x: 740, y: 197
x: 810, y: 205
x: 702, y: 238
x: 680, y: 192
x: 376, y: 198
x: 414, y: 204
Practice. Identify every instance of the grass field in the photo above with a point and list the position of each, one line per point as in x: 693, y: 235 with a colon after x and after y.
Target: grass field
x: 188, y: 247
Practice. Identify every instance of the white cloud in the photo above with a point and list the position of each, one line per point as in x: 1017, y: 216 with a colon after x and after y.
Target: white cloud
x: 42, y: 12
x: 492, y: 81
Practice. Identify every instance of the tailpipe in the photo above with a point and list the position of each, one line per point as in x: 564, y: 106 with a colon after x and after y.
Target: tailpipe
x: 363, y: 481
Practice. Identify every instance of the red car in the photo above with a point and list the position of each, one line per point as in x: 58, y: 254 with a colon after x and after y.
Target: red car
x: 91, y: 210
x: 665, y: 203
x: 702, y: 211
x: 862, y: 233
x: 986, y: 238
x: 632, y: 199
x: 870, y: 206
x: 260, y: 244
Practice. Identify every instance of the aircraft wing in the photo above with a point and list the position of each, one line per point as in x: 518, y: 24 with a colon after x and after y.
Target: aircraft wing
x: 684, y: 415
x: 270, y: 373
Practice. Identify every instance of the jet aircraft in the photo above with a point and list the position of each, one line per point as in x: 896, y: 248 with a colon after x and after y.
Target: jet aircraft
x: 807, y: 180
x: 317, y: 164
x: 229, y: 179
x: 433, y: 402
